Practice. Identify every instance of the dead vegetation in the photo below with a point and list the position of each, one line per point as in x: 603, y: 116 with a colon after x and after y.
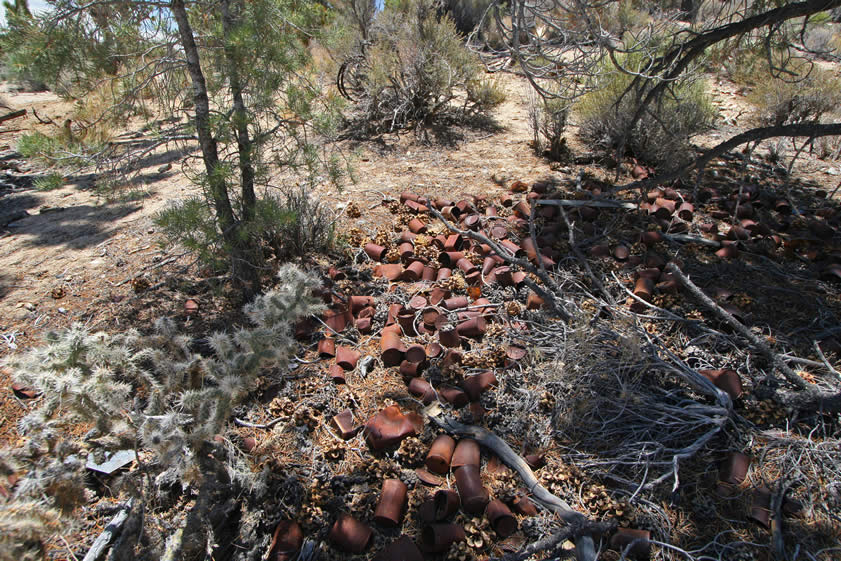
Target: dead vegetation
x: 662, y: 362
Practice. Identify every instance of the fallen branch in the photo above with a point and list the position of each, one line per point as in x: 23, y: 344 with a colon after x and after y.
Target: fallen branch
x: 585, y: 548
x: 683, y: 238
x: 547, y: 293
x: 113, y: 529
x: 549, y: 543
x: 48, y: 121
x: 777, y: 538
x: 268, y: 425
x: 583, y: 260
x: 809, y: 397
x: 12, y: 115
x: 365, y: 365
x: 740, y: 328
x: 150, y: 268
x: 593, y: 203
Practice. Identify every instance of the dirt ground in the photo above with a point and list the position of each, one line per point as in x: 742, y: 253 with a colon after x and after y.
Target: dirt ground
x: 77, y: 255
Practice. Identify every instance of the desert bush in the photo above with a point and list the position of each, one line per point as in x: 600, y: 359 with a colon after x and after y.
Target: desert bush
x: 304, y: 225
x: 629, y: 18
x: 548, y: 120
x: 484, y: 94
x: 49, y: 182
x: 415, y: 67
x: 661, y: 136
x: 745, y: 65
x: 829, y: 147
x: 823, y: 40
x: 150, y: 392
x: 805, y: 94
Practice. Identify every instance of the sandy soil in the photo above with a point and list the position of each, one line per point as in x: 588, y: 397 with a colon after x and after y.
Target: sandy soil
x: 73, y: 254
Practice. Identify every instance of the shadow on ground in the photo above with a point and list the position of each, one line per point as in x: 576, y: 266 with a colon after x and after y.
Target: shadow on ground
x: 72, y: 227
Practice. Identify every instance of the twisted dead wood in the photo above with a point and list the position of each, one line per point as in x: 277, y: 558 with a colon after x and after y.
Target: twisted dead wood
x: 810, y: 398
x: 584, y: 546
x: 548, y: 293
x: 553, y: 542
x: 112, y: 530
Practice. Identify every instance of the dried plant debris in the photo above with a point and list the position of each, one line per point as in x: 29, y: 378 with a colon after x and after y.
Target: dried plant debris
x: 614, y: 403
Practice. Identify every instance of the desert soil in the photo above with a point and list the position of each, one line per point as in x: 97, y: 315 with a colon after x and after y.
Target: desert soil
x: 77, y: 255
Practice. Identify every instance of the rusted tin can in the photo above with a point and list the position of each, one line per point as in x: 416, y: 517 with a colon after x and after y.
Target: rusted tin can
x: 440, y: 454
x: 349, y: 534
x: 392, y: 503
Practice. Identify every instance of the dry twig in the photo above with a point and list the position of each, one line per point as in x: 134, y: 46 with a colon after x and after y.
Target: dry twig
x: 585, y: 548
x: 550, y: 289
x: 810, y: 397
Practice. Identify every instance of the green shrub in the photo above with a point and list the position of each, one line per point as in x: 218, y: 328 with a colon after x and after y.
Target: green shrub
x: 67, y: 146
x: 37, y: 144
x: 289, y: 225
x: 661, y: 136
x: 415, y: 67
x: 49, y: 182
x: 191, y: 223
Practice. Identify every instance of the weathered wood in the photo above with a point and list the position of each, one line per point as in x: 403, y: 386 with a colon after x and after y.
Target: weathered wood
x: 584, y: 545
x: 606, y: 203
x: 12, y: 115
x: 553, y: 542
x: 808, y: 397
x: 112, y: 530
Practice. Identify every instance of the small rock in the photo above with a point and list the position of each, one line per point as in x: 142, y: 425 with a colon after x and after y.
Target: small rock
x: 62, y: 311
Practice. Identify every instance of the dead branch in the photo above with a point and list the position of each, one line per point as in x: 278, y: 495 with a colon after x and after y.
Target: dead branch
x: 594, y: 203
x: 12, y: 115
x: 48, y: 121
x: 736, y: 325
x: 583, y: 260
x: 777, y: 538
x: 270, y: 424
x: 547, y: 292
x: 672, y: 64
x: 113, y: 529
x: 550, y: 543
x: 810, y: 130
x: 810, y: 395
x: 683, y: 238
x: 585, y: 548
x: 150, y: 268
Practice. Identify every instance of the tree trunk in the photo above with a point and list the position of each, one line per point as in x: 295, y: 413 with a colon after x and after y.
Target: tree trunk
x: 244, y: 143
x: 240, y: 246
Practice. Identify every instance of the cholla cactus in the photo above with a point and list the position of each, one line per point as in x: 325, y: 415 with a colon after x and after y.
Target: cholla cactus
x: 22, y: 525
x: 152, y: 389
